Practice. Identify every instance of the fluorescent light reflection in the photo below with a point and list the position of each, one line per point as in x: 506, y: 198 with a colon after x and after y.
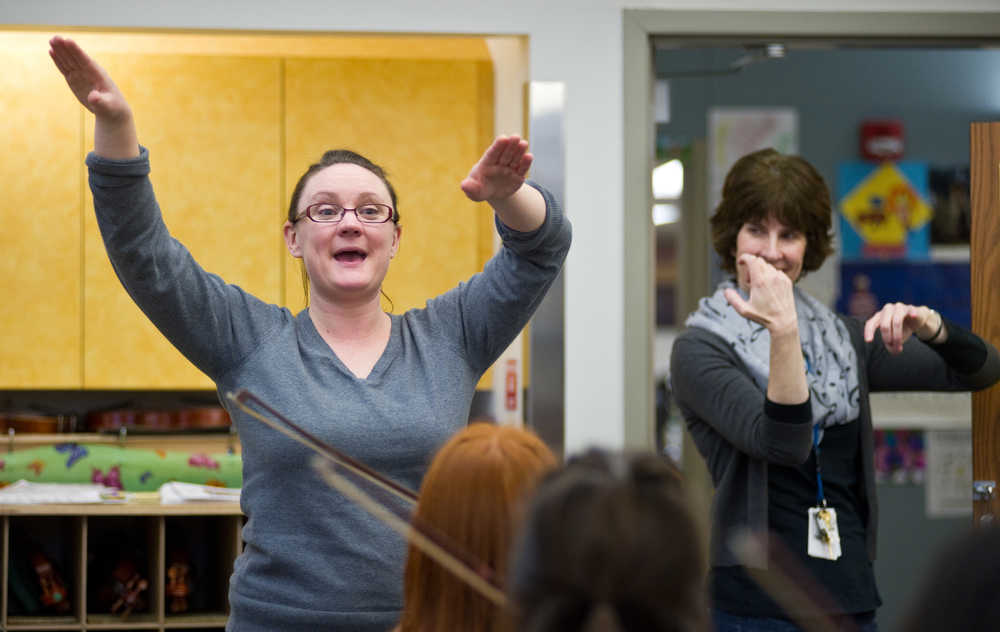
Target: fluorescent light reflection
x: 668, y: 180
x: 666, y: 214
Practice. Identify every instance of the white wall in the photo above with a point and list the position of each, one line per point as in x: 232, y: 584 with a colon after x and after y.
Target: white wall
x: 579, y: 42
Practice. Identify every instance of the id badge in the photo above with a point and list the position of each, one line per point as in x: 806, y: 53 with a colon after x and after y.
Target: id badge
x: 824, y: 537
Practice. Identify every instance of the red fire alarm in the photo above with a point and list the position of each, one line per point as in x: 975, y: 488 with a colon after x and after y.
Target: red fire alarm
x: 882, y: 139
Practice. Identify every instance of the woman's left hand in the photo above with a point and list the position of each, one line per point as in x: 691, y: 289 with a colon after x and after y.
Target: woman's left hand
x: 899, y: 321
x: 500, y: 172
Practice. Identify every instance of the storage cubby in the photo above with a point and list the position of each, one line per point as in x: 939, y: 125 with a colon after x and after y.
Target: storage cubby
x: 102, y: 552
x: 122, y: 569
x: 200, y: 550
x: 42, y: 580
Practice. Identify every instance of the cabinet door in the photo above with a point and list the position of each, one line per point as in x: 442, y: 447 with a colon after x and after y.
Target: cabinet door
x: 426, y: 122
x: 40, y: 281
x: 212, y: 126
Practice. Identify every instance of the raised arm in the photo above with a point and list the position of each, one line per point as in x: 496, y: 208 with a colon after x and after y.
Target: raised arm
x: 498, y: 178
x: 114, y: 127
x: 485, y: 313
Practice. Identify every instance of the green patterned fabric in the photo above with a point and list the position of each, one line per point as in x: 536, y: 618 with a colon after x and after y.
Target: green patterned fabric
x: 129, y: 469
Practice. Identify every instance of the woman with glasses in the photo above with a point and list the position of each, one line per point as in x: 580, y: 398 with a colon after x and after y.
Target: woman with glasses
x: 387, y: 389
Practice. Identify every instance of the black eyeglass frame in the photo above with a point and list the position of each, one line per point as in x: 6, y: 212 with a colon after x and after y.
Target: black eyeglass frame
x: 343, y: 213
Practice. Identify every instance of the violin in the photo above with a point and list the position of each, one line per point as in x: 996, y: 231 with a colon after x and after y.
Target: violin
x: 128, y: 586
x: 34, y: 422
x: 102, y: 420
x: 53, y: 589
x: 178, y: 581
x: 187, y: 418
x: 202, y: 417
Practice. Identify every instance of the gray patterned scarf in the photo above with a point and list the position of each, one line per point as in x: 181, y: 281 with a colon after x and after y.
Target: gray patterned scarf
x: 831, y: 362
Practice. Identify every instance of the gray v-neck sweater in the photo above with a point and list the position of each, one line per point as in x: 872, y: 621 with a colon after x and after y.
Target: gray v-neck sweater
x: 314, y: 560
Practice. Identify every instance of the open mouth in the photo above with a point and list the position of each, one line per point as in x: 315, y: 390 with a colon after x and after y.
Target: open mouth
x: 350, y: 255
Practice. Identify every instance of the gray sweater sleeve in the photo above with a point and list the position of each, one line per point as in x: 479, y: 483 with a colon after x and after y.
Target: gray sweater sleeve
x: 717, y: 397
x: 484, y: 314
x: 214, y: 324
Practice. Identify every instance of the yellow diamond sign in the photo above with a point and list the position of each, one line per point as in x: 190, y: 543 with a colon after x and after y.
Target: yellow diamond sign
x: 884, y: 207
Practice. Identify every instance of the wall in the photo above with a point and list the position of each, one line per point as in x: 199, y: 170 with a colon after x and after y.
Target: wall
x: 579, y: 42
x: 936, y: 93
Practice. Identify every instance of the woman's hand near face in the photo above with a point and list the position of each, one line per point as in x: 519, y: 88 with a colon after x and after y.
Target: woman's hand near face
x: 899, y: 321
x: 772, y: 304
x: 114, y: 128
x: 498, y: 178
x: 771, y: 301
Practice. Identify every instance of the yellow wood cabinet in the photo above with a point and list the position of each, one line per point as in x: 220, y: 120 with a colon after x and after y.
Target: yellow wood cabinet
x: 212, y: 126
x: 229, y: 129
x: 40, y: 311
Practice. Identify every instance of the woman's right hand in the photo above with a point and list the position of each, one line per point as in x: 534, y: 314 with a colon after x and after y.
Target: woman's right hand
x: 115, y: 136
x: 772, y: 304
x: 771, y: 300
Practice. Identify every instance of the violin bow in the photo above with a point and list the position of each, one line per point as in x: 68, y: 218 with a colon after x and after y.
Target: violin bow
x: 429, y: 540
x: 243, y: 398
x: 427, y: 544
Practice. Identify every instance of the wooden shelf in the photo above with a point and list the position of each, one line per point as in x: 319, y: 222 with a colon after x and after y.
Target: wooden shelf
x: 114, y: 622
x: 42, y: 623
x: 75, y: 538
x: 124, y: 509
x: 195, y: 621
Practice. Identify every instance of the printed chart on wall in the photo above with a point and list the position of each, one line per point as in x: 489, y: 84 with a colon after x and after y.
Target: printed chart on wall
x: 734, y: 132
x: 949, y: 476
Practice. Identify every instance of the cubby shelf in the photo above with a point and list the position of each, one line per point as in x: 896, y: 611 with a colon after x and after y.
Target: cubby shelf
x: 75, y: 537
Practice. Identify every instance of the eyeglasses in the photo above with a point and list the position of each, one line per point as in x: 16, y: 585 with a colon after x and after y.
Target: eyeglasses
x: 327, y: 213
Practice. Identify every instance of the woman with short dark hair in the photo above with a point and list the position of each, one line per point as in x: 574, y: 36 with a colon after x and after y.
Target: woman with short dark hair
x: 774, y: 389
x: 609, y: 545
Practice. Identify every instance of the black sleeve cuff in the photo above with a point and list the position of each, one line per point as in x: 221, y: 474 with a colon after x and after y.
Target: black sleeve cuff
x: 963, y: 351
x: 789, y: 413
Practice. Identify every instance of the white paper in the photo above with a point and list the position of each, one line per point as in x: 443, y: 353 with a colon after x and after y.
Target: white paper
x: 175, y: 493
x: 27, y: 493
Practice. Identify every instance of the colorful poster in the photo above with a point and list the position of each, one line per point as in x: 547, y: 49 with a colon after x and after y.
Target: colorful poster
x: 948, y: 493
x: 899, y: 456
x: 884, y: 210
x: 867, y: 285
